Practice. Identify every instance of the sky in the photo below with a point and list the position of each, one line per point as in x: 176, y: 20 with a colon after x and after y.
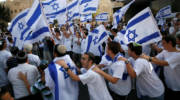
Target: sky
x: 2, y: 0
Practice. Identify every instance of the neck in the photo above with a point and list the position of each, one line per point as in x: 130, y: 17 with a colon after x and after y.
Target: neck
x: 89, y: 66
x: 136, y: 57
x: 113, y: 56
x: 172, y: 49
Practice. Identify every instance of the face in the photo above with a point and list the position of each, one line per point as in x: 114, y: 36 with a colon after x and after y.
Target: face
x: 165, y: 44
x: 129, y: 52
x: 7, y: 96
x: 108, y: 51
x: 85, y: 61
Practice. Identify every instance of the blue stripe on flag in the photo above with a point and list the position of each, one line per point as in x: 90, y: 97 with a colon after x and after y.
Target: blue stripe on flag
x: 17, y: 19
x: 117, y: 19
x: 48, y: 3
x: 89, y: 43
x: 14, y: 43
x: 54, y: 74
x: 38, y: 33
x: 100, y: 51
x: 72, y: 5
x: 150, y: 37
x: 162, y: 10
x: 35, y: 16
x: 90, y: 9
x: 102, y: 36
x: 22, y: 34
x: 56, y: 13
x: 137, y: 20
x: 85, y: 1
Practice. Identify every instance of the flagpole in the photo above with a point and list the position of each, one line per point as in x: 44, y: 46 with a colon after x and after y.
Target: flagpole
x: 40, y: 1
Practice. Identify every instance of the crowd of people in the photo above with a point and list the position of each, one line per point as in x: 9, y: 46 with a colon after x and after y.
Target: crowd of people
x: 53, y: 68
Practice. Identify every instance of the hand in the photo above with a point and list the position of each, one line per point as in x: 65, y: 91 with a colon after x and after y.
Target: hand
x: 122, y: 59
x: 145, y: 56
x: 96, y: 69
x: 62, y: 63
x: 22, y: 76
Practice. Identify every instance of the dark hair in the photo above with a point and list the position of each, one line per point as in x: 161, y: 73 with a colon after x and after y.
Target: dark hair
x: 90, y: 56
x: 170, y: 38
x: 11, y: 62
x: 114, y: 30
x: 114, y: 47
x: 2, y: 43
x: 3, y: 91
x: 57, y: 52
x: 136, y: 48
x: 14, y: 50
x: 178, y: 36
x: 57, y: 30
x: 21, y: 57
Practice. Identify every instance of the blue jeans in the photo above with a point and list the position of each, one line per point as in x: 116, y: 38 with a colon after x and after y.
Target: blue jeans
x: 154, y: 98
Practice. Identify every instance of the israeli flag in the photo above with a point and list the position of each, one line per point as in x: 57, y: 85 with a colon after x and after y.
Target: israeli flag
x: 102, y: 17
x: 142, y: 28
x: 86, y: 17
x: 95, y: 39
x: 117, y: 16
x: 55, y: 10
x: 73, y: 10
x: 40, y: 31
x: 88, y: 6
x: 164, y: 12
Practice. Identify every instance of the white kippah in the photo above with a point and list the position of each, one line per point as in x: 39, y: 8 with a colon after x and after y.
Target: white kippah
x: 61, y: 49
x: 28, y: 47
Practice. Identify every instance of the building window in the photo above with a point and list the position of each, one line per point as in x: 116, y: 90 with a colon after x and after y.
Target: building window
x: 20, y: 10
x: 15, y: 11
x: 11, y: 11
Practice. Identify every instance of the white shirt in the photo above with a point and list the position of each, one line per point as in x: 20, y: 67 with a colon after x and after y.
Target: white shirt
x: 88, y: 26
x: 67, y: 42
x: 83, y: 45
x: 96, y: 85
x: 76, y: 47
x: 68, y: 89
x: 4, y: 55
x: 19, y: 87
x: 171, y: 72
x: 171, y: 30
x: 122, y: 87
x: 147, y: 82
x: 34, y: 60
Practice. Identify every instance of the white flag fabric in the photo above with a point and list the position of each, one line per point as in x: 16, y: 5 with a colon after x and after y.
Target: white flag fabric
x: 164, y: 12
x: 86, y: 17
x: 117, y: 16
x: 102, y: 17
x: 95, y: 39
x: 88, y: 6
x: 142, y: 28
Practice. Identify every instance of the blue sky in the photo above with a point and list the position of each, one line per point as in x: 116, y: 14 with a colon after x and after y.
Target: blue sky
x: 2, y: 0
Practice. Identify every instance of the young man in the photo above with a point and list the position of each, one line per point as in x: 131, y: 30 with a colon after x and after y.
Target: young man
x: 149, y: 86
x: 96, y: 84
x: 170, y: 59
x: 57, y: 79
x: 19, y: 87
x: 119, y: 82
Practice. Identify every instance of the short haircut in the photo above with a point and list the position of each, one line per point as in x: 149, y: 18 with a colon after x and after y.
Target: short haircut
x: 21, y: 57
x: 2, y: 43
x: 136, y: 48
x: 90, y: 56
x: 114, y: 47
x: 14, y: 50
x: 170, y: 38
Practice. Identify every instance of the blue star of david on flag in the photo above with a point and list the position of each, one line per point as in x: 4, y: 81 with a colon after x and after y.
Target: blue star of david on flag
x: 131, y: 35
x: 20, y: 25
x: 95, y: 40
x: 55, y: 6
x: 69, y: 15
x: 66, y: 75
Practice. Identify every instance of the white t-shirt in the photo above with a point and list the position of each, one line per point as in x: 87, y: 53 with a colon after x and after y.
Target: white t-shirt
x: 67, y: 42
x: 83, y: 45
x: 4, y: 55
x: 96, y: 85
x: 147, y: 82
x: 122, y: 87
x: 171, y: 30
x: 19, y: 87
x: 67, y: 88
x: 33, y: 60
x: 171, y: 72
x: 76, y: 47
x: 88, y: 26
